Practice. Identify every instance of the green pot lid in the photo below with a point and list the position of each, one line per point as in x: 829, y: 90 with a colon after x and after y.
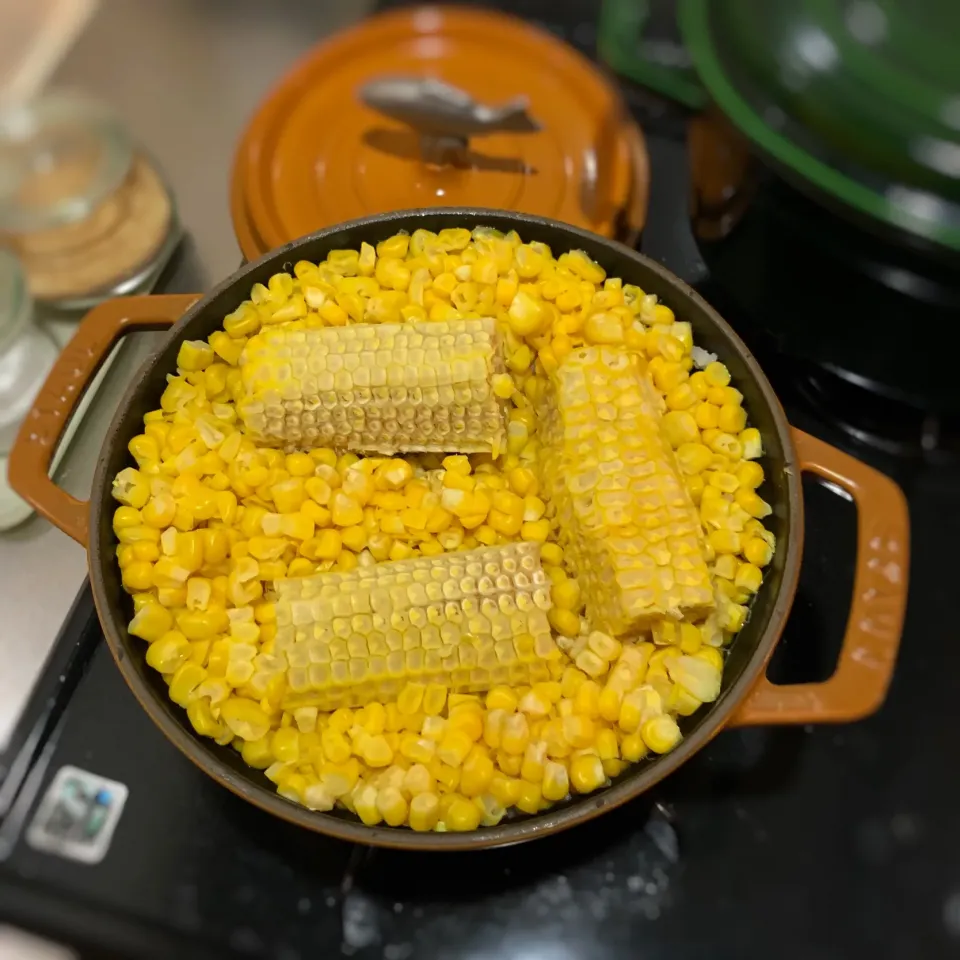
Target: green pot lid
x: 859, y: 98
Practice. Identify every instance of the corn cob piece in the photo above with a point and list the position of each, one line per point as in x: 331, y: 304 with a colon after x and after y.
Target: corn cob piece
x: 376, y: 388
x: 468, y: 620
x: 632, y: 532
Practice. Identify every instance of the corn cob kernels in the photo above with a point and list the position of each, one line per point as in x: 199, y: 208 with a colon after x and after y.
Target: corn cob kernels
x: 468, y: 620
x: 633, y: 534
x: 376, y: 388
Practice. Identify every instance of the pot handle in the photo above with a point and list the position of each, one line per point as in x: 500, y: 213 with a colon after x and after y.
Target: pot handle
x: 867, y: 657
x: 44, y: 425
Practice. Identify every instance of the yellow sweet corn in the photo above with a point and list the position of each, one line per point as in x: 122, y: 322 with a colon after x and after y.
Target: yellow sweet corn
x: 697, y: 676
x: 131, y: 488
x: 245, y: 718
x: 424, y: 812
x: 661, y: 734
x: 376, y: 387
x: 587, y: 773
x: 222, y: 536
x: 168, y: 652
x: 556, y: 782
x: 469, y: 621
x: 630, y: 528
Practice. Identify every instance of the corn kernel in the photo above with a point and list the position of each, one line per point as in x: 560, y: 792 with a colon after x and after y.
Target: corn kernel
x: 604, y: 646
x: 476, y: 774
x: 732, y: 418
x: 285, y: 745
x: 454, y: 747
x: 150, y: 622
x: 514, y: 734
x: 716, y: 374
x: 661, y: 734
x: 376, y: 751
x: 245, y: 718
x: 632, y: 748
x: 680, y: 426
x: 579, y: 731
x: 757, y: 551
x: 434, y: 698
x: 753, y: 504
x: 410, y: 698
x: 462, y: 815
x: 505, y: 789
x: 586, y: 701
x: 603, y: 328
x: 697, y: 676
x: 608, y: 703
x: 433, y: 728
x: 424, y: 812
x: 185, y: 681
x: 556, y: 783
x: 530, y: 797
x: 365, y: 804
x: 587, y: 773
x: 168, y: 652
x: 137, y: 575
x: 749, y: 577
x: 565, y: 622
x: 131, y: 488
x: 724, y: 541
x: 501, y: 698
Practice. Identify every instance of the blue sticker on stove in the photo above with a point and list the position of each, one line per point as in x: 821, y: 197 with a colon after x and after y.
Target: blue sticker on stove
x: 78, y: 815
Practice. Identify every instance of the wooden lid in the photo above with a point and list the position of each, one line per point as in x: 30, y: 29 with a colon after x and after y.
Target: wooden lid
x: 315, y: 154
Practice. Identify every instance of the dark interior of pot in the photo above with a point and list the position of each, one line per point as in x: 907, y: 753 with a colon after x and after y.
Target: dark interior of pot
x: 747, y: 653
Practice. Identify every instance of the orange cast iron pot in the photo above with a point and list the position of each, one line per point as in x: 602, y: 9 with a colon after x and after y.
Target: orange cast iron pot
x: 880, y: 586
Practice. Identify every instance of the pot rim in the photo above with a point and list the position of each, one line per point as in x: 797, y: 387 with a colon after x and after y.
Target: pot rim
x: 556, y: 818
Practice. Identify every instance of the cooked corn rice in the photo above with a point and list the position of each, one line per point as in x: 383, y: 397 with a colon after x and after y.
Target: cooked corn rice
x: 516, y: 609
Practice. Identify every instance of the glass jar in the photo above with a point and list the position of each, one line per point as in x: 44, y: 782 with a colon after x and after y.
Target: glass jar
x: 86, y: 211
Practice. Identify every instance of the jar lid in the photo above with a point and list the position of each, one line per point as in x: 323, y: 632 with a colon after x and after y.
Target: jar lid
x: 60, y: 156
x: 437, y: 106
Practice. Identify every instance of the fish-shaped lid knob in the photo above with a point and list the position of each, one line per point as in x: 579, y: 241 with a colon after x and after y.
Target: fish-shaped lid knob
x: 438, y: 106
x: 432, y: 106
x: 444, y: 116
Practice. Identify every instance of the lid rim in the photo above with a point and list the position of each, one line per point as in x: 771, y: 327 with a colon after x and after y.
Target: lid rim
x: 257, y: 167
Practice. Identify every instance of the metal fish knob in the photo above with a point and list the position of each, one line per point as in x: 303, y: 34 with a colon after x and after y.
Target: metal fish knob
x: 444, y: 116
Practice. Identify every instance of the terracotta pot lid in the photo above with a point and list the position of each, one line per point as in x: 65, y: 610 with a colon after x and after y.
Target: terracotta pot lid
x: 438, y: 106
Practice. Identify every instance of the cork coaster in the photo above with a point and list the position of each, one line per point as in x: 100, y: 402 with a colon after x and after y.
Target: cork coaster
x: 117, y: 240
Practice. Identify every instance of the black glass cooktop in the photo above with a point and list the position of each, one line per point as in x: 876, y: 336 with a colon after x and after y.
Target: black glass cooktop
x: 812, y: 843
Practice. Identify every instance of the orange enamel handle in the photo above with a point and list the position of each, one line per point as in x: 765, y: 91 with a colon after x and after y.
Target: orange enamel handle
x: 42, y: 430
x: 869, y: 650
